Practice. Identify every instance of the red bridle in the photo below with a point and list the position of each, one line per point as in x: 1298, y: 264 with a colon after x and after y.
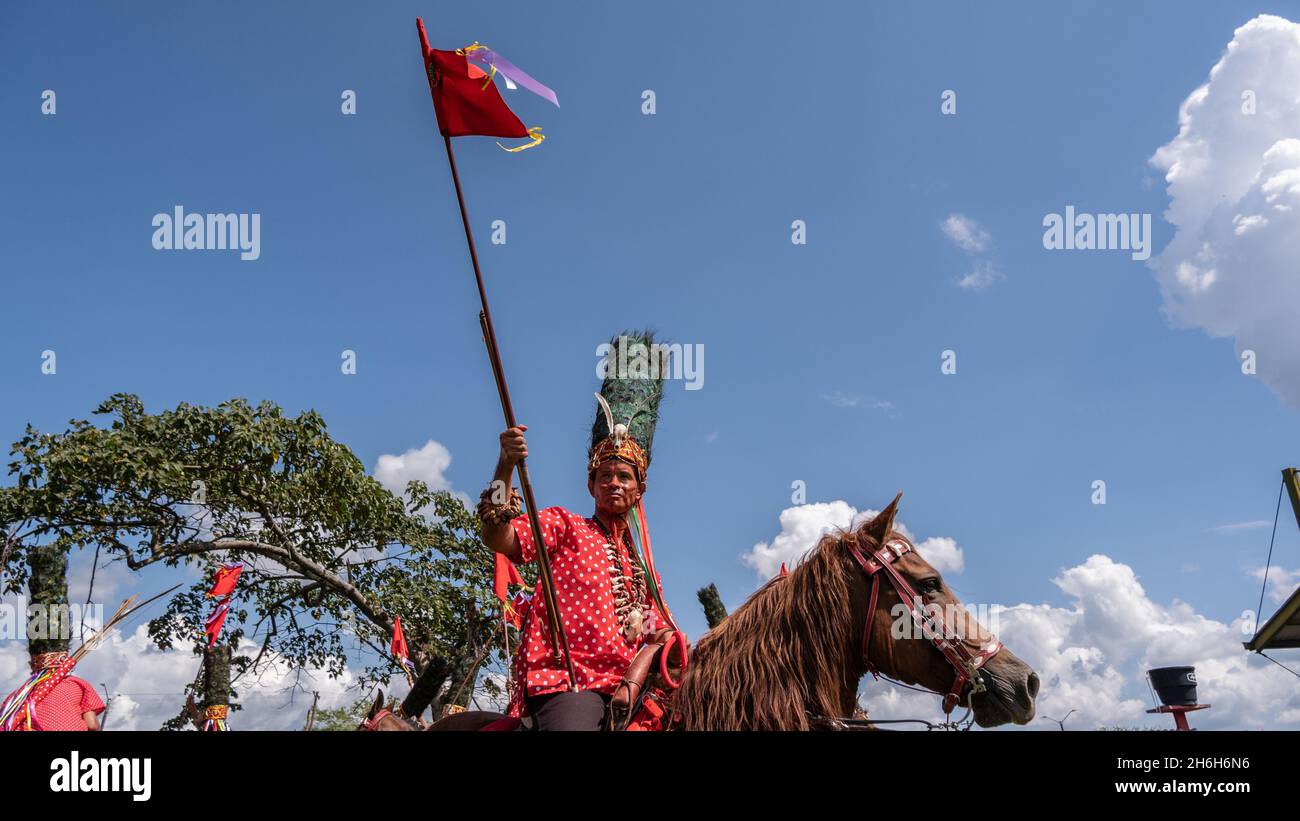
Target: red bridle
x: 372, y: 724
x: 965, y: 662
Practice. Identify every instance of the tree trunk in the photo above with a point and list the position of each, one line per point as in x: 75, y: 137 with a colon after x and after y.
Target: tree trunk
x: 427, y: 686
x: 49, y: 627
x: 311, y: 714
x: 714, y: 610
x: 216, y: 675
x: 461, y: 681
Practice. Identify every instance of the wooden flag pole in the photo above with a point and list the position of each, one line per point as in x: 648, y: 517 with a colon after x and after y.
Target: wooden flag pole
x: 559, y: 642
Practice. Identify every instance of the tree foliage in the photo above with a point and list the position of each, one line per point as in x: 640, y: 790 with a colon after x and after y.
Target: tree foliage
x: 330, y: 556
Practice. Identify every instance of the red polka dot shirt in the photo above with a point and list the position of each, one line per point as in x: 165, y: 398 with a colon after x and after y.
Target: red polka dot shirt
x: 63, y: 707
x: 580, y: 567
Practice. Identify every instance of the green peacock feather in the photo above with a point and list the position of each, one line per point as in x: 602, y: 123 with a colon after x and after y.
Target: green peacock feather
x: 633, y: 396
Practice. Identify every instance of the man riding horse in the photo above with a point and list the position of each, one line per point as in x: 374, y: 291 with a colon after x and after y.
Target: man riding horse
x: 608, y: 594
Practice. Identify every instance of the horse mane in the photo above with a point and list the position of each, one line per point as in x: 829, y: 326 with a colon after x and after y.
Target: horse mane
x: 790, y: 648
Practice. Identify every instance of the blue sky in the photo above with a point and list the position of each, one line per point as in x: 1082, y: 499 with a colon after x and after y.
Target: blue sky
x: 1069, y: 370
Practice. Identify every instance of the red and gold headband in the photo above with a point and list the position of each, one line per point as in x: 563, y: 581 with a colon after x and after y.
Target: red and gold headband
x: 618, y: 445
x: 625, y: 451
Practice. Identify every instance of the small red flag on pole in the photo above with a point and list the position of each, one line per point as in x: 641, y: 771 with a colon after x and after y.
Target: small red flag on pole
x: 223, y: 584
x: 223, y: 587
x: 506, y: 574
x: 465, y: 99
x: 214, y: 623
x: 464, y: 105
x: 399, y: 649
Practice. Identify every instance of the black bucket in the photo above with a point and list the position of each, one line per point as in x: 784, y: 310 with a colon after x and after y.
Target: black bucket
x: 1176, y: 686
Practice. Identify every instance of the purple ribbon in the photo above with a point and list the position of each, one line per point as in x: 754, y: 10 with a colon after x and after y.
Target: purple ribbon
x: 489, y: 59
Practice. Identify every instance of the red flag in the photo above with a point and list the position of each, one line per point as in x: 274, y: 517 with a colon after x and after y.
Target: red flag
x: 505, y: 575
x: 223, y: 584
x: 784, y: 572
x: 398, y: 647
x: 465, y: 105
x: 213, y: 626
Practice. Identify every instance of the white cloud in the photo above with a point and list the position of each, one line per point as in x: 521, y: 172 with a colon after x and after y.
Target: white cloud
x: 1236, y: 526
x: 147, y: 686
x: 428, y: 464
x: 1075, y: 673
x: 943, y: 554
x: 802, y: 526
x: 1281, y: 583
x: 1233, y: 179
x: 1244, y: 224
x: 966, y: 234
x: 842, y: 400
x: 113, y: 580
x: 981, y: 277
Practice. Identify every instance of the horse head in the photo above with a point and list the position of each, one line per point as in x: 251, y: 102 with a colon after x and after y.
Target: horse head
x: 382, y: 719
x: 920, y: 633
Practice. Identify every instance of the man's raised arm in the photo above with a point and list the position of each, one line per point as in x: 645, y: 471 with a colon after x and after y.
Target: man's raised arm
x: 499, y: 504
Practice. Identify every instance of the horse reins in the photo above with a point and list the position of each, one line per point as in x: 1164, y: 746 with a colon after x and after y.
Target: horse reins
x: 965, y: 663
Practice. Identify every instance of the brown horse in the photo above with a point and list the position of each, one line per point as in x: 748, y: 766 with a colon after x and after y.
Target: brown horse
x: 793, y: 654
x: 382, y: 719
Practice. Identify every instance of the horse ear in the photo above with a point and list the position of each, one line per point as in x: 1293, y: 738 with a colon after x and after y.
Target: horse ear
x: 879, y: 527
x: 379, y: 703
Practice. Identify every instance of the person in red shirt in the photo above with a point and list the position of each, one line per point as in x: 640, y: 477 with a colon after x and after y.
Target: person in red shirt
x: 606, y: 609
x: 73, y: 704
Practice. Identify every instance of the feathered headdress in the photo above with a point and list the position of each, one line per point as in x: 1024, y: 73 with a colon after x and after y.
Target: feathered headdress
x: 629, y: 398
x: 625, y: 427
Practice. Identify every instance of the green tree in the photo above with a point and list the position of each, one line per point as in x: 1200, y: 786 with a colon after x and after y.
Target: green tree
x: 330, y: 556
x: 344, y: 718
x: 714, y: 610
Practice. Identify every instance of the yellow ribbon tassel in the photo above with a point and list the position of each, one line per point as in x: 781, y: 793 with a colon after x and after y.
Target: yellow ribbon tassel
x: 477, y: 46
x: 537, y: 137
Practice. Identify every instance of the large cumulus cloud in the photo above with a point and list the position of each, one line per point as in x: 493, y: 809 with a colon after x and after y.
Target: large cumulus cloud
x: 1233, y: 178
